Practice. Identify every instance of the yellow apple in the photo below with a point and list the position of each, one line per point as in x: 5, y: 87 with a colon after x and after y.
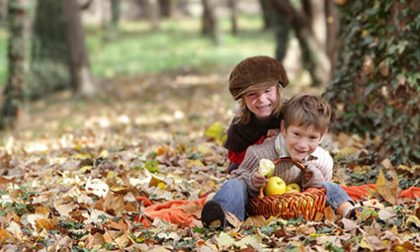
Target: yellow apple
x: 266, y: 167
x: 275, y: 186
x: 293, y: 187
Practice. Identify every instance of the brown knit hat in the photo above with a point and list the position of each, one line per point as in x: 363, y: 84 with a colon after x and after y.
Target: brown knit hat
x: 258, y: 72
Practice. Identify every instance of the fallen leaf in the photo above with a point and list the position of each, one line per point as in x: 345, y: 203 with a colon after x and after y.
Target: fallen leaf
x: 224, y: 240
x: 386, y: 189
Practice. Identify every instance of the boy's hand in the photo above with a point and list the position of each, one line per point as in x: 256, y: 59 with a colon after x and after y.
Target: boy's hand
x: 258, y: 180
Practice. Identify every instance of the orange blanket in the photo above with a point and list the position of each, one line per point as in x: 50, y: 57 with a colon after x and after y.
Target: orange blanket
x: 184, y: 212
x: 358, y: 193
x: 181, y: 212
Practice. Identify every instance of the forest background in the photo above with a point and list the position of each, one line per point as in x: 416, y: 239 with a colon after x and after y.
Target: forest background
x: 131, y: 97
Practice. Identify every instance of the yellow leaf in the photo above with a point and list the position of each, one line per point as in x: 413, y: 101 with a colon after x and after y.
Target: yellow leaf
x: 111, y: 174
x: 224, y: 240
x: 216, y: 132
x: 388, y: 190
x: 104, y: 154
x: 4, y: 236
x: 161, y: 185
x: 85, y: 168
x: 154, y: 181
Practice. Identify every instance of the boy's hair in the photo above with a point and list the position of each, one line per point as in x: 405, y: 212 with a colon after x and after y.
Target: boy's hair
x: 307, y: 110
x: 244, y: 116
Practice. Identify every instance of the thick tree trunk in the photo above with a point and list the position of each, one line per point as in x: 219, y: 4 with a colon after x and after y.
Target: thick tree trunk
x: 210, y: 22
x: 81, y: 79
x: 314, y: 57
x: 49, y: 50
x: 13, y: 92
x: 165, y: 7
x: 267, y: 14
x: 281, y: 32
x: 233, y: 16
x: 331, y: 33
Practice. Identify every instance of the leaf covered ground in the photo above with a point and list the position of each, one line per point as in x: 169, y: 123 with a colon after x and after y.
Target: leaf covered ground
x: 71, y: 173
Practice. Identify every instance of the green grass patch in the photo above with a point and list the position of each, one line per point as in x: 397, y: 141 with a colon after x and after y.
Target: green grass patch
x: 177, y: 45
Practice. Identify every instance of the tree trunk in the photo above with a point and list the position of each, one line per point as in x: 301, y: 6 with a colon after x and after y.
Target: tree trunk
x: 314, y: 57
x: 267, y: 14
x: 233, y: 16
x: 112, y: 26
x: 281, y: 32
x: 165, y: 7
x: 210, y: 22
x: 49, y: 50
x: 331, y: 33
x: 153, y: 14
x: 81, y: 79
x: 13, y: 92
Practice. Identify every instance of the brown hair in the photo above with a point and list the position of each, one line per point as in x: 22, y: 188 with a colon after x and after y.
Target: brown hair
x: 244, y: 115
x: 307, y: 110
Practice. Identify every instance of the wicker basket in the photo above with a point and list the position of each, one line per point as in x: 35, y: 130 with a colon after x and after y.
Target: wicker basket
x: 309, y: 204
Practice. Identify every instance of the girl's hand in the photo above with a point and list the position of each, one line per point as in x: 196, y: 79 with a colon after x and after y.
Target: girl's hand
x: 273, y: 132
x: 258, y: 180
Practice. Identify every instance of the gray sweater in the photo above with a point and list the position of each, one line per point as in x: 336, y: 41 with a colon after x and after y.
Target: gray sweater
x: 319, y: 162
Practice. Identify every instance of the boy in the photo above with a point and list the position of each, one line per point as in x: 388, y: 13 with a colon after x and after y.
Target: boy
x: 305, y: 122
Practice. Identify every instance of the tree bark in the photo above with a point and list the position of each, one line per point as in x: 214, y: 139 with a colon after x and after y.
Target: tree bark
x: 210, y: 22
x: 267, y: 14
x: 314, y: 57
x: 49, y: 50
x: 165, y: 7
x: 153, y: 14
x: 331, y: 36
x: 233, y: 16
x: 13, y: 92
x: 80, y: 74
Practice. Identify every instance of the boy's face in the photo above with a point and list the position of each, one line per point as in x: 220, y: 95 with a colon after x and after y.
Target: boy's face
x: 300, y: 141
x: 261, y: 102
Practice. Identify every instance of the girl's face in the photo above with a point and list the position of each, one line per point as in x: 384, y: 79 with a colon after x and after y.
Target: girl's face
x: 261, y: 102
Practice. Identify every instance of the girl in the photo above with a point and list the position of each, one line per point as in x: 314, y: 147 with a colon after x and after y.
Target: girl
x: 256, y: 83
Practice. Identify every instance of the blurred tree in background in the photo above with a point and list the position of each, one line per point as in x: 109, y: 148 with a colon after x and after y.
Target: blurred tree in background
x: 13, y: 92
x: 376, y: 88
x: 49, y: 50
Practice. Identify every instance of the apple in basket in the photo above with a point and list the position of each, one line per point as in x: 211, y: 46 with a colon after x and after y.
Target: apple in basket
x: 293, y: 187
x: 275, y: 186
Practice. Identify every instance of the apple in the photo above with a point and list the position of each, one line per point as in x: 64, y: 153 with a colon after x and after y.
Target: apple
x: 266, y: 167
x: 292, y: 187
x: 275, y: 186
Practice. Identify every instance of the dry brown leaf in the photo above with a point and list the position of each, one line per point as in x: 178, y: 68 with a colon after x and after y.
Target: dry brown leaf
x: 388, y: 190
x: 47, y: 224
x: 330, y: 214
x: 95, y: 241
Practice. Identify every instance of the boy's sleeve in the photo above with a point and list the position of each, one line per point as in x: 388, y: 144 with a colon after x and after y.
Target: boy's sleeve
x: 246, y: 170
x: 321, y: 170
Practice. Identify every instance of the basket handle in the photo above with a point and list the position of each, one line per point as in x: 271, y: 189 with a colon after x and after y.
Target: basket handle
x: 298, y: 164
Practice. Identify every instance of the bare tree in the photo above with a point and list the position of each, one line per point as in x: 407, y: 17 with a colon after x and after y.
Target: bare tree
x: 314, y: 57
x: 233, y: 16
x: 331, y: 36
x: 210, y: 21
x: 81, y: 78
x: 13, y: 91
